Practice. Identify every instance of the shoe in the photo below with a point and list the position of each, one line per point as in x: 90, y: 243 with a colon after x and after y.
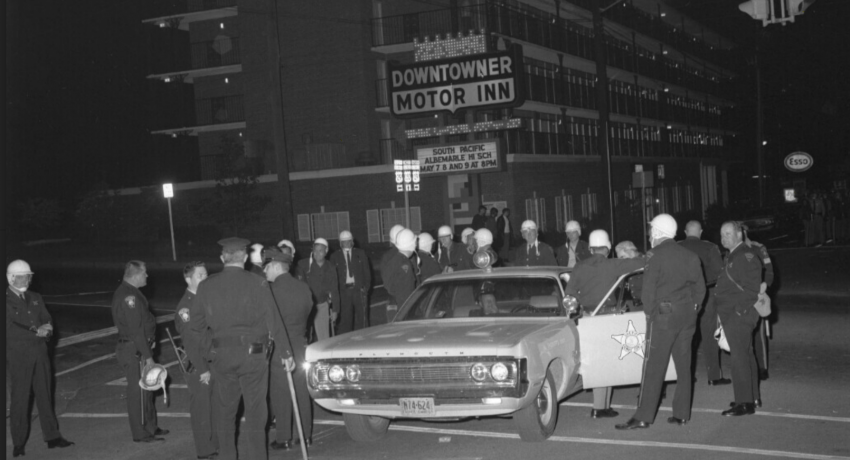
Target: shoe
x: 676, y: 421
x: 631, y: 425
x: 603, y: 413
x: 160, y: 432
x: 720, y: 381
x: 18, y: 451
x: 740, y: 409
x: 149, y: 439
x: 757, y: 402
x: 764, y: 375
x: 59, y: 442
x: 285, y: 445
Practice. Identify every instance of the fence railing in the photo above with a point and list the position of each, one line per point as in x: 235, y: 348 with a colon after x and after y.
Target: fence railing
x: 218, y: 110
x: 216, y: 53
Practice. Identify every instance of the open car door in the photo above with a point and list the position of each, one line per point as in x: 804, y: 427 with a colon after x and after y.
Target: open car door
x: 613, y: 337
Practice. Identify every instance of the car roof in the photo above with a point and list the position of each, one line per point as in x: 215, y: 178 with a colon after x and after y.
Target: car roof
x: 501, y: 272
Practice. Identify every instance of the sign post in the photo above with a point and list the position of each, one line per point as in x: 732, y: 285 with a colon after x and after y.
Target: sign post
x: 643, y: 179
x: 407, y: 179
x: 168, y: 193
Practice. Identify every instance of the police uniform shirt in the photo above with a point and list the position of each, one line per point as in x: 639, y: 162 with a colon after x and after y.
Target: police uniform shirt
x: 234, y: 303
x: 672, y: 275
x: 322, y: 280
x: 739, y: 281
x: 399, y: 279
x: 295, y: 302
x: 593, y: 277
x: 133, y: 318
x: 386, y: 256
x: 28, y: 311
x: 581, y: 252
x: 767, y: 264
x: 537, y: 254
x: 428, y: 266
x: 709, y: 256
x: 464, y: 259
x: 192, y: 341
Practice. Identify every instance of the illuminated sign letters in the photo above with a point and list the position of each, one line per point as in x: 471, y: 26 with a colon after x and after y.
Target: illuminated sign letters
x: 468, y: 157
x: 488, y: 80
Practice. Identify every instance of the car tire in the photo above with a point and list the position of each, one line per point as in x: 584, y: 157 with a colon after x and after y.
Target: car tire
x: 536, y: 421
x: 365, y: 428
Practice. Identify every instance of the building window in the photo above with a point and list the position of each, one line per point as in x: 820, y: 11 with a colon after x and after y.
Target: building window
x: 588, y: 205
x: 563, y: 211
x: 535, y: 210
x: 379, y: 222
x: 325, y: 225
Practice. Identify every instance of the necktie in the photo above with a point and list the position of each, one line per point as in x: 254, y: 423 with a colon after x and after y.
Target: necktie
x: 347, y: 262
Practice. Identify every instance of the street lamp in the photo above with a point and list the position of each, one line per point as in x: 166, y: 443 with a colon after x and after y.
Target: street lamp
x: 168, y: 193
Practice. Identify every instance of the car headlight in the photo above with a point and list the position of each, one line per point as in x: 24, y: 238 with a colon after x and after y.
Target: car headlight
x: 352, y: 373
x: 336, y: 374
x: 499, y: 372
x: 479, y: 372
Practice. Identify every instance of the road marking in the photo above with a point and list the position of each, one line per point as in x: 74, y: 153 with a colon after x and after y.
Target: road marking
x: 717, y: 411
x: 378, y: 304
x: 777, y: 237
x: 619, y: 442
x: 96, y: 360
x: 123, y: 380
x: 102, y: 333
x: 78, y: 293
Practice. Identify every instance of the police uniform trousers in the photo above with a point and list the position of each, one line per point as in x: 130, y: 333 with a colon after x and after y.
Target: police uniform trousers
x: 602, y: 397
x: 708, y: 346
x: 669, y: 334
x: 29, y: 369
x: 354, y: 311
x: 761, y: 344
x: 321, y: 320
x: 125, y: 352
x: 239, y: 375
x: 281, y: 399
x: 739, y: 333
x: 201, y: 410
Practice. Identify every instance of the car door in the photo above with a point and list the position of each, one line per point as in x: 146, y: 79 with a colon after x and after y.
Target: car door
x: 613, y: 340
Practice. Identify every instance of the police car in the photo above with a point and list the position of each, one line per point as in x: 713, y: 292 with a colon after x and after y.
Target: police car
x: 487, y: 342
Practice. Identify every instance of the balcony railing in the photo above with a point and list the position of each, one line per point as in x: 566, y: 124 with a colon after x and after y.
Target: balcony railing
x: 216, y: 53
x: 219, y: 110
x: 162, y: 8
x: 541, y: 28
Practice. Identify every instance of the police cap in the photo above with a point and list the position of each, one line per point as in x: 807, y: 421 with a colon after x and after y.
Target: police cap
x: 276, y: 255
x: 233, y: 243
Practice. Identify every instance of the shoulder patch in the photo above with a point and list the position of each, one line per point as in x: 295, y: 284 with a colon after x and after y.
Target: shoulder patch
x: 749, y: 256
x: 184, y: 314
x: 130, y: 300
x: 649, y: 255
x: 406, y: 268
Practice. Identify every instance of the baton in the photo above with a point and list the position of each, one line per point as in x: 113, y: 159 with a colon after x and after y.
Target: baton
x: 141, y: 395
x: 178, y: 351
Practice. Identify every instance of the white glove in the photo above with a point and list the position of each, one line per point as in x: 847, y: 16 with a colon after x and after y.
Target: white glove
x: 763, y: 288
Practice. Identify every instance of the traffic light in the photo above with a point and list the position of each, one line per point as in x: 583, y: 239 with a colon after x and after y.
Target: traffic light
x: 775, y: 11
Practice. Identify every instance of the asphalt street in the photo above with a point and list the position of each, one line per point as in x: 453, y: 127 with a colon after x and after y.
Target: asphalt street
x: 806, y: 412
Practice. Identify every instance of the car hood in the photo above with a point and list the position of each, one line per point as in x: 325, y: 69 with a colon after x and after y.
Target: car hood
x: 437, y: 338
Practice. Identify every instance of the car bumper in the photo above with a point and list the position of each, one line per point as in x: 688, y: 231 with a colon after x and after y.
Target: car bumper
x: 460, y: 410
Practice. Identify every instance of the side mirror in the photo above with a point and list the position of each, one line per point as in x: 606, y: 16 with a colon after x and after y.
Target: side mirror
x: 573, y: 309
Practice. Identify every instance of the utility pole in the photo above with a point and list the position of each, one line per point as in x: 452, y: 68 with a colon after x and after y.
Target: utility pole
x: 759, y: 122
x: 287, y: 215
x: 602, y: 104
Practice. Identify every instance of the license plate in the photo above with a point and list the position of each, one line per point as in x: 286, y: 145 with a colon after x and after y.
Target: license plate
x: 417, y: 406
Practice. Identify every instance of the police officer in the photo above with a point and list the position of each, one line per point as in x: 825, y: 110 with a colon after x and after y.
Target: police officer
x: 321, y: 275
x: 673, y: 290
x: 236, y: 310
x: 294, y: 302
x: 709, y: 256
x: 448, y: 249
x: 575, y: 250
x: 28, y: 328
x: 590, y: 281
x: 463, y: 258
x: 534, y: 252
x: 136, y: 340
x: 256, y: 258
x: 197, y: 374
x: 354, y: 274
x: 388, y: 254
x: 399, y: 274
x: 737, y: 290
x: 428, y: 265
x: 761, y: 336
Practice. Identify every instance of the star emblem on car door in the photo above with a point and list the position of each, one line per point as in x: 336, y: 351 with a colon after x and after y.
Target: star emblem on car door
x: 631, y: 341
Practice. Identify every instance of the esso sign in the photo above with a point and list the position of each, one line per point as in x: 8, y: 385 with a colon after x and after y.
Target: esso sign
x: 799, y: 161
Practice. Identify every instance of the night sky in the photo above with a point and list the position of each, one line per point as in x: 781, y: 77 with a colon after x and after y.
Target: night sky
x: 75, y: 91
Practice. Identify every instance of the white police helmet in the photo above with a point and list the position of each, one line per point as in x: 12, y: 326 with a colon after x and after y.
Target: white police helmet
x: 598, y: 239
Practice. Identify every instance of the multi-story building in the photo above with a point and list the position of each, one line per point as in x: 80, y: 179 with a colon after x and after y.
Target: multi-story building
x: 307, y: 88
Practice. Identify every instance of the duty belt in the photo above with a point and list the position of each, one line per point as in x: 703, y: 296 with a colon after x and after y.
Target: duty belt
x: 350, y: 286
x: 238, y: 341
x: 123, y: 340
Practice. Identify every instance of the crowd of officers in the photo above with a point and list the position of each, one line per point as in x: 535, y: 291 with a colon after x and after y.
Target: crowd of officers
x: 246, y: 328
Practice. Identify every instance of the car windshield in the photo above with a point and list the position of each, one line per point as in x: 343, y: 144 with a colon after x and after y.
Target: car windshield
x: 490, y: 297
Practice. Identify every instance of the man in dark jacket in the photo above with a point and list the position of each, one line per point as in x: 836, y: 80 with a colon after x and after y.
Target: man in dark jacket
x: 709, y: 256
x: 399, y: 274
x: 320, y: 274
x: 428, y: 265
x: 354, y: 274
x: 534, y: 252
x: 736, y: 293
x: 673, y: 290
x: 575, y: 250
x: 197, y: 370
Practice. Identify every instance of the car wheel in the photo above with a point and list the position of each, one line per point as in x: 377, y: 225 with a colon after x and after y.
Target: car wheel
x: 365, y: 428
x: 536, y: 422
